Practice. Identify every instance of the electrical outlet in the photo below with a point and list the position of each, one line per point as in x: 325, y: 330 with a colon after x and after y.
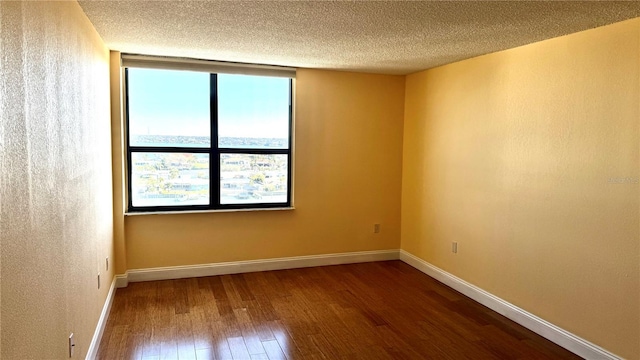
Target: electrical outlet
x: 98, y: 280
x: 376, y: 228
x: 454, y: 247
x: 107, y: 264
x: 72, y: 344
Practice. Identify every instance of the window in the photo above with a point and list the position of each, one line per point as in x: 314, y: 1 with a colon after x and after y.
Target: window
x: 201, y: 140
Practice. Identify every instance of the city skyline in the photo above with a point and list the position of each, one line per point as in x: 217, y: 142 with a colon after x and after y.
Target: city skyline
x: 205, y: 141
x: 183, y: 178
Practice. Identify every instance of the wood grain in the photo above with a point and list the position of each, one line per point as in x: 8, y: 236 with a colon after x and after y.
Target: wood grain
x: 381, y: 310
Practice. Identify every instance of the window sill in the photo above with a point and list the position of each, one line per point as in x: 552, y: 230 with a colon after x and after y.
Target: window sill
x: 205, y: 211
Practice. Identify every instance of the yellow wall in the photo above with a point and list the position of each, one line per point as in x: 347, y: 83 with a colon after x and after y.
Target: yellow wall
x: 348, y: 158
x: 510, y: 154
x: 55, y: 178
x: 117, y: 162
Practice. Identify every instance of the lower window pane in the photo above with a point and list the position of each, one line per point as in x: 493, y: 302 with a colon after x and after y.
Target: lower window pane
x: 253, y: 179
x: 169, y: 179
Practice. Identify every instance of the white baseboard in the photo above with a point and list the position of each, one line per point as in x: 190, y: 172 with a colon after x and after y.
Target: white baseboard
x: 542, y: 327
x: 236, y: 267
x: 102, y: 322
x: 122, y: 281
x: 567, y: 340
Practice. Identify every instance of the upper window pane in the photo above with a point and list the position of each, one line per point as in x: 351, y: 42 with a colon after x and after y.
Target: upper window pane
x: 169, y: 108
x: 253, y: 112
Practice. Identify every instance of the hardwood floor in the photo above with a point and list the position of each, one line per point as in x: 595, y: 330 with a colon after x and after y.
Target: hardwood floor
x: 383, y: 310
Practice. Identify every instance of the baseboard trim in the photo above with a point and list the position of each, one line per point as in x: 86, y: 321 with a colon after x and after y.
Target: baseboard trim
x: 236, y: 267
x: 102, y: 322
x: 122, y: 281
x: 567, y: 340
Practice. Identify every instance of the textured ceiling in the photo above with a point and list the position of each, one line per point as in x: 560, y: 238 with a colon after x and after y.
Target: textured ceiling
x: 397, y: 37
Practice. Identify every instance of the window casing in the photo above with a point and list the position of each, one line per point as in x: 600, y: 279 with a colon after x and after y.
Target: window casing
x: 177, y: 169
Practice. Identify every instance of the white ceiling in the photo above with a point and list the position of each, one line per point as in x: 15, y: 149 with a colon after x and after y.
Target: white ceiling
x: 395, y: 37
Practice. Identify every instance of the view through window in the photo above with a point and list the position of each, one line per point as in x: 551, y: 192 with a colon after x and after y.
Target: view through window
x: 207, y: 141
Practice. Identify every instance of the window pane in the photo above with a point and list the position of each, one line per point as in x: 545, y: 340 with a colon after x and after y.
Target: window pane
x: 168, y: 108
x: 253, y: 179
x: 253, y: 112
x: 169, y: 179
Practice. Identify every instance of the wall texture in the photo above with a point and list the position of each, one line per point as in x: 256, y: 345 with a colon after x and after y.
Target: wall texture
x: 528, y: 158
x: 55, y: 178
x: 117, y: 161
x: 348, y: 157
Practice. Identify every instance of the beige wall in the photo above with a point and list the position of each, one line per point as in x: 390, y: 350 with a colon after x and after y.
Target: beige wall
x: 348, y: 158
x: 55, y: 178
x: 510, y: 154
x: 117, y: 161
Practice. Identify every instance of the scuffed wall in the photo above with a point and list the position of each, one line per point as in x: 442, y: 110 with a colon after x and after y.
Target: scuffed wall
x: 55, y: 179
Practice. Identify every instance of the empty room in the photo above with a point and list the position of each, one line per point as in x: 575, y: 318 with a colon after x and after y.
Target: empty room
x: 319, y: 180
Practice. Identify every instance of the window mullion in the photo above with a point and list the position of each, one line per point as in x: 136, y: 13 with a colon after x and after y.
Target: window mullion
x: 168, y: 149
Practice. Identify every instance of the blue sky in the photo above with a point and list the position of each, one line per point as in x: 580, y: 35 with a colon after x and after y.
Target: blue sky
x: 163, y: 102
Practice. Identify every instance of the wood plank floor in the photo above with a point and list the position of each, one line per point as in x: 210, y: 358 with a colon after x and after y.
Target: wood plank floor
x: 382, y: 310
